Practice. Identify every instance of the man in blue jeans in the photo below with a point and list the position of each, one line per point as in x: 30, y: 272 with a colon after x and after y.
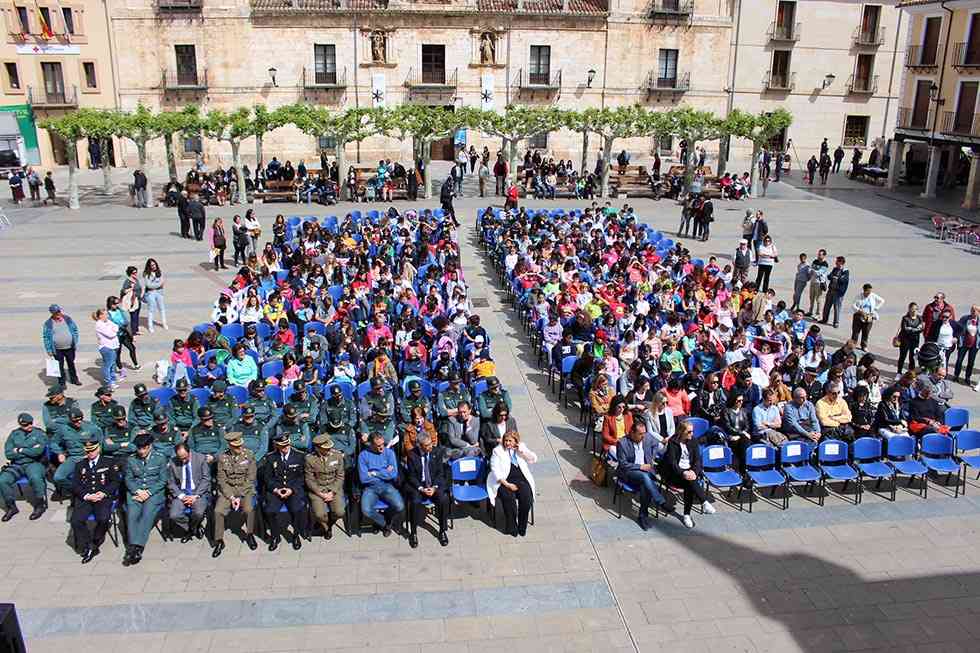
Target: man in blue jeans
x: 636, y: 456
x: 378, y: 470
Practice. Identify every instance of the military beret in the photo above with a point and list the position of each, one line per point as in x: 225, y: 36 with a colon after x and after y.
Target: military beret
x: 257, y: 384
x: 182, y: 384
x: 454, y: 377
x: 219, y: 386
x: 56, y: 389
x: 118, y: 412
x: 376, y: 382
x: 75, y: 413
x: 139, y: 389
x: 159, y: 417
x: 414, y: 385
x: 204, y: 412
x: 24, y: 419
x: 281, y: 438
x: 493, y: 382
x: 234, y: 438
x: 143, y: 440
x: 248, y: 411
x: 91, y: 445
x: 289, y: 410
x: 103, y: 390
x: 323, y: 440
x: 336, y: 391
x: 299, y: 386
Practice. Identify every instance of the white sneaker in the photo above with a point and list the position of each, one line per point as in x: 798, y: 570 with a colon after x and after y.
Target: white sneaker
x: 708, y: 508
x: 688, y: 521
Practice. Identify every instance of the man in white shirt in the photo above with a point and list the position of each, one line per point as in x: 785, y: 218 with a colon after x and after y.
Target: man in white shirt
x: 866, y: 307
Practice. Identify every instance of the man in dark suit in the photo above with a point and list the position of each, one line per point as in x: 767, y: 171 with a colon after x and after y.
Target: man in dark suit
x: 95, y: 488
x: 837, y: 281
x: 282, y: 478
x: 197, y: 215
x: 189, y: 486
x: 426, y: 480
x: 185, y: 219
x: 636, y: 455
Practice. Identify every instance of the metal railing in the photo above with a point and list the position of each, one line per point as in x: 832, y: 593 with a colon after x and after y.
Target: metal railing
x: 185, y: 80
x: 908, y: 118
x: 855, y: 141
x: 859, y: 84
x: 869, y: 37
x: 954, y: 123
x: 678, y: 83
x: 179, y: 5
x: 432, y: 79
x: 541, y: 81
x: 918, y: 57
x: 966, y: 55
x: 779, y: 81
x: 40, y: 97
x: 784, y: 32
x: 312, y: 78
x: 668, y: 8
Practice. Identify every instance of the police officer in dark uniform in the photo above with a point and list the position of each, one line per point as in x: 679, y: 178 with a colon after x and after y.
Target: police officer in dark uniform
x: 165, y: 436
x: 222, y: 406
x: 101, y: 410
x: 414, y: 399
x: 255, y: 437
x: 183, y: 408
x: 24, y: 450
x: 493, y: 395
x: 119, y: 435
x: 448, y: 401
x: 142, y: 408
x: 306, y: 406
x: 291, y: 426
x: 338, y: 419
x: 95, y: 489
x: 54, y: 411
x: 378, y: 400
x: 266, y: 411
x: 207, y: 437
x: 281, y: 481
x: 68, y: 446
x: 377, y: 423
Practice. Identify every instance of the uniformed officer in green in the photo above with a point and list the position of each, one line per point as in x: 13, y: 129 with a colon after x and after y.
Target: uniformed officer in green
x: 254, y: 436
x: 237, y: 471
x: 101, y: 410
x: 142, y: 408
x: 290, y: 425
x: 492, y: 396
x: 378, y: 423
x: 54, y: 411
x: 449, y: 399
x: 338, y: 419
x: 146, y: 483
x: 207, y: 437
x: 69, y: 446
x: 24, y: 450
x: 378, y: 400
x: 414, y: 399
x: 266, y: 411
x: 325, y: 483
x: 165, y: 437
x: 222, y: 405
x: 182, y: 411
x: 306, y: 406
x: 119, y: 434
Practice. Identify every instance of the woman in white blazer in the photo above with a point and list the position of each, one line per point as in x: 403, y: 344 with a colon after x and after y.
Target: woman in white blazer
x: 659, y: 418
x: 511, y: 477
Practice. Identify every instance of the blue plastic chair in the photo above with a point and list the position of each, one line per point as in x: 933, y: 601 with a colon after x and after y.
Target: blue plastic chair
x: 760, y: 467
x: 426, y: 386
x: 468, y: 481
x: 221, y: 355
x: 479, y: 388
x: 238, y: 393
x: 957, y: 419
x: 832, y: 461
x: 699, y: 425
x: 794, y: 461
x: 336, y: 292
x: 363, y: 389
x: 202, y: 395
x: 716, y: 461
x: 900, y: 454
x: 276, y: 395
x: 346, y: 388
x: 318, y: 328
x: 163, y: 395
x: 936, y: 452
x: 271, y: 368
x: 968, y: 441
x: 202, y: 327
x: 869, y: 460
x: 567, y: 363
x: 263, y: 330
x: 233, y: 331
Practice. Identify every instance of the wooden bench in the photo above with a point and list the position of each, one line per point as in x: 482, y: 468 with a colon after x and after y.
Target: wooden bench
x: 277, y: 190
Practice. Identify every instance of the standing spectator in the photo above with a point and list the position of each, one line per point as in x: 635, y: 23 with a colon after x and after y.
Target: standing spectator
x: 131, y: 298
x: 967, y: 345
x: 944, y: 333
x: 49, y: 188
x: 811, y: 169
x: 909, y: 332
x: 474, y: 157
x: 484, y: 175
x: 818, y: 281
x: 139, y: 185
x: 446, y: 197
x: 743, y: 261
x: 197, y: 215
x: 800, y: 281
x: 682, y: 468
x: 17, y: 186
x: 838, y: 157
x: 60, y: 337
x: 239, y: 239
x: 624, y: 161
x: 34, y: 183
x: 254, y: 231
x: 107, y: 332
x: 824, y: 147
x: 855, y: 161
x: 825, y: 166
x: 768, y: 257
x: 500, y: 175
x: 865, y: 307
x: 183, y: 216
x: 934, y: 309
x: 837, y: 281
x: 153, y: 293
x: 511, y: 481
x: 121, y: 318
x: 218, y: 241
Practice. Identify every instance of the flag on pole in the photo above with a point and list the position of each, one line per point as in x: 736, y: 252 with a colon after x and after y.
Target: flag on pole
x: 46, y: 32
x: 61, y: 16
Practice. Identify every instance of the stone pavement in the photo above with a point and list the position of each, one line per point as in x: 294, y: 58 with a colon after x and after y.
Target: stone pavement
x: 880, y: 576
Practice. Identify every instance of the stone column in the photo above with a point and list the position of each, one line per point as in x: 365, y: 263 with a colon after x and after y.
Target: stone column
x: 932, y: 176
x: 972, y: 185
x: 897, y: 149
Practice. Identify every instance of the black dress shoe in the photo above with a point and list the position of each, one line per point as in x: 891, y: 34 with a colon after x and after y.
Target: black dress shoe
x: 297, y: 542
x: 644, y: 522
x: 199, y: 532
x: 9, y: 513
x: 137, y: 555
x: 75, y: 381
x: 128, y: 558
x: 274, y: 544
x: 443, y: 538
x: 89, y: 555
x: 386, y: 531
x: 218, y: 548
x: 250, y: 541
x: 413, y: 541
x: 186, y: 538
x: 329, y: 533
x: 37, y: 513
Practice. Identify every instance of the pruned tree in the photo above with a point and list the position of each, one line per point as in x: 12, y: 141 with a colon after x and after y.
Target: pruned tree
x: 264, y: 121
x: 349, y: 126
x: 231, y: 128
x: 515, y: 124
x: 758, y: 129
x: 141, y: 127
x: 694, y: 126
x: 70, y: 128
x: 185, y: 121
x: 609, y: 125
x: 101, y: 125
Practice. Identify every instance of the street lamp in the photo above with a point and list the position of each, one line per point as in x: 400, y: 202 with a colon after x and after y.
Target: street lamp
x: 272, y: 74
x: 588, y: 81
x: 828, y: 79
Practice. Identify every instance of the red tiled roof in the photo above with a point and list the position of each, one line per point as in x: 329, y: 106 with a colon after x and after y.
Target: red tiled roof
x: 593, y: 7
x: 545, y: 6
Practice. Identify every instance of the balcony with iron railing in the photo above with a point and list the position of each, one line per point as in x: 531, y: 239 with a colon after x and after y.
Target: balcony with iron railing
x: 784, y: 32
x: 671, y: 9
x: 869, y: 38
x: 861, y: 85
x: 909, y: 118
x: 185, y: 80
x: 961, y: 124
x: 40, y: 98
x: 916, y: 56
x: 966, y: 55
x: 779, y: 81
x: 314, y: 79
x: 179, y: 6
x: 539, y: 81
x: 432, y: 80
x: 656, y: 83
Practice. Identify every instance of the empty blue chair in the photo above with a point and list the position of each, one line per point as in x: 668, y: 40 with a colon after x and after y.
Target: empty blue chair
x: 336, y: 292
x: 275, y: 394
x: 699, y: 426
x: 263, y: 330
x: 202, y: 395
x: 957, y: 419
x: 900, y: 454
x: 233, y: 331
x: 318, y: 328
x: 968, y: 441
x: 567, y: 363
x: 936, y: 453
x: 271, y: 368
x: 869, y: 460
x: 794, y: 461
x: 468, y: 481
x: 716, y: 461
x: 202, y: 327
x: 363, y: 389
x: 479, y: 388
x: 163, y: 395
x: 832, y: 461
x: 238, y: 393
x: 760, y: 467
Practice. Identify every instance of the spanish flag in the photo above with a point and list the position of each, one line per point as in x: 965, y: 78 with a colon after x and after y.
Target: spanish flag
x: 46, y: 32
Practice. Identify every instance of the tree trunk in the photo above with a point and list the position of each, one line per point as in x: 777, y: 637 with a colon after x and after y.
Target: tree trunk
x: 106, y: 171
x: 607, y: 145
x: 258, y: 151
x: 341, y: 169
x: 688, y: 171
x: 141, y: 153
x: 754, y: 172
x: 236, y: 163
x: 426, y: 147
x: 585, y: 152
x: 168, y: 142
x: 723, y: 145
x: 511, y: 144
x: 71, y: 149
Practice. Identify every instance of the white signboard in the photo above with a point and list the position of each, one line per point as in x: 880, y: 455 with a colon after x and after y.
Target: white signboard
x: 48, y: 49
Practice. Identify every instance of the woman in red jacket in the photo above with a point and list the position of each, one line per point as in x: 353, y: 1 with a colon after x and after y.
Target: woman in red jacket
x: 616, y: 424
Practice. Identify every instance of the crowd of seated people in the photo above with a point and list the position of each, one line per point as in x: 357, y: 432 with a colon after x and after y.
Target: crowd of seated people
x: 644, y: 334
x: 544, y: 179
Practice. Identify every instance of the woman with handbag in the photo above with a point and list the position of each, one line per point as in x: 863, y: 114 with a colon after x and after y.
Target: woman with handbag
x: 239, y: 239
x: 124, y: 337
x: 131, y: 298
x: 907, y: 338
x: 218, y: 242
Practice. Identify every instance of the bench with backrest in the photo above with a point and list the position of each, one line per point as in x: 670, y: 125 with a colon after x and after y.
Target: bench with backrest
x: 278, y: 189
